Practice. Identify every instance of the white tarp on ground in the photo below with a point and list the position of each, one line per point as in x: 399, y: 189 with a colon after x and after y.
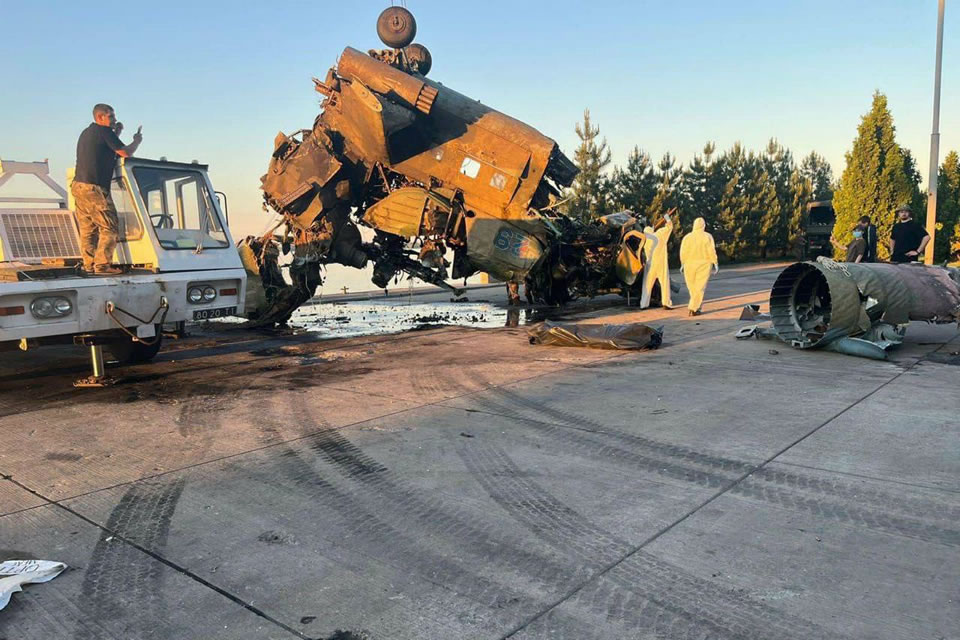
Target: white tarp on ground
x: 15, y: 573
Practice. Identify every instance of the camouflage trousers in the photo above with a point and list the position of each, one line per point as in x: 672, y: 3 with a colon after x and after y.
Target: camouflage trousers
x: 98, y: 223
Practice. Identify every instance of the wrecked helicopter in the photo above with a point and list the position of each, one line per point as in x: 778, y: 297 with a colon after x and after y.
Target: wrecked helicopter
x: 442, y: 186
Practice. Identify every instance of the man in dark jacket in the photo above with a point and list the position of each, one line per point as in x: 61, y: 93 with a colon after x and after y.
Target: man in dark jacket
x: 97, y: 151
x: 870, y: 238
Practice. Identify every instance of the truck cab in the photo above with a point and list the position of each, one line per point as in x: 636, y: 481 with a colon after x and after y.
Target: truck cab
x: 179, y: 262
x: 818, y: 226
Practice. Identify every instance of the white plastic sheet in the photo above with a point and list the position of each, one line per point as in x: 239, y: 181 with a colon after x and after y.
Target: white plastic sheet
x: 15, y: 573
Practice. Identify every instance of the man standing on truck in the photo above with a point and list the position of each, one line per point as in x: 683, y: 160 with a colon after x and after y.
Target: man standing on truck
x: 97, y: 151
x: 908, y: 239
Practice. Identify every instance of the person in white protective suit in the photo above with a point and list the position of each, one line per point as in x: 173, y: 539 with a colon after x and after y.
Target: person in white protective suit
x: 698, y: 256
x: 657, y: 269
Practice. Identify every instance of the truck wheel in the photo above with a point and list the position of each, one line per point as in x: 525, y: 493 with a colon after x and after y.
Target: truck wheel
x: 130, y: 352
x: 396, y: 27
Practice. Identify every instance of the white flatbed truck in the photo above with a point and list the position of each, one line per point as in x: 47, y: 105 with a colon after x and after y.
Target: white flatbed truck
x: 180, y: 263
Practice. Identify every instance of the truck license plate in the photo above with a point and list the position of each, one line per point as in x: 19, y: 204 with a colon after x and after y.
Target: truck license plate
x: 209, y: 314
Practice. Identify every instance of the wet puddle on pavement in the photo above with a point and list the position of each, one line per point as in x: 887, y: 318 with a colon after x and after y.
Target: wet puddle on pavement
x: 371, y: 317
x: 354, y: 318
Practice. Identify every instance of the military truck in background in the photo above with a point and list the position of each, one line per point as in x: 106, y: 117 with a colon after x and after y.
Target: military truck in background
x: 817, y: 227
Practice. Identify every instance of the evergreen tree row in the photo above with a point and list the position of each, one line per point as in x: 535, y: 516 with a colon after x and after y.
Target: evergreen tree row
x: 754, y: 202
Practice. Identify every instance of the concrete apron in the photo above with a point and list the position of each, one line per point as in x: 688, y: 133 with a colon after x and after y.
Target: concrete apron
x: 461, y: 483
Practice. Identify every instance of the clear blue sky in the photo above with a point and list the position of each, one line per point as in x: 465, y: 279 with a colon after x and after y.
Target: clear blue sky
x: 215, y: 81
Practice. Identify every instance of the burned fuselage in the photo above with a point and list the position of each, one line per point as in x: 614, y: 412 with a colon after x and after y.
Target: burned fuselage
x: 448, y: 186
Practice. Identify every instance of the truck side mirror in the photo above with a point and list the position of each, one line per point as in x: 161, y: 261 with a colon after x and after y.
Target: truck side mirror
x: 222, y: 200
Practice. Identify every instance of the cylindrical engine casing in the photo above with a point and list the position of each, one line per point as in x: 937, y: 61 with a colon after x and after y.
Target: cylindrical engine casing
x: 813, y: 301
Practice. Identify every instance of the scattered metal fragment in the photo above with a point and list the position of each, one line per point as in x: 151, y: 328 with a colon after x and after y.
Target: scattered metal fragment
x: 598, y: 336
x: 752, y: 312
x: 755, y: 331
x: 746, y: 332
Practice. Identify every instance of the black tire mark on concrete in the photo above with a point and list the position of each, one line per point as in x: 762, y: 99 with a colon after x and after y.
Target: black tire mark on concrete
x: 437, y: 519
x: 557, y: 626
x: 453, y: 524
x: 868, y: 508
x: 874, y: 519
x: 398, y: 548
x: 470, y: 534
x: 118, y: 576
x: 559, y: 416
x: 881, y: 499
x: 582, y: 442
x: 429, y: 385
x: 204, y: 402
x: 865, y: 495
x: 649, y: 593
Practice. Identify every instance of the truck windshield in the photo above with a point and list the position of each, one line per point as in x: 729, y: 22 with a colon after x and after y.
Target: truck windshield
x: 180, y: 208
x: 821, y: 216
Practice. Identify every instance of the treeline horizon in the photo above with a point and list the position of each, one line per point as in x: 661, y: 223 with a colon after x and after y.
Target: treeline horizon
x: 755, y: 202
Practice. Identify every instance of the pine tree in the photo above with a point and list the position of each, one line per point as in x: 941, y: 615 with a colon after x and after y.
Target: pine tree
x: 700, y: 187
x: 802, y: 192
x: 606, y: 196
x: 664, y: 198
x: 591, y: 157
x: 635, y: 186
x: 779, y: 166
x: 765, y: 211
x: 877, y: 177
x: 733, y: 205
x: 948, y: 208
x: 918, y: 198
x: 760, y: 208
x: 817, y: 170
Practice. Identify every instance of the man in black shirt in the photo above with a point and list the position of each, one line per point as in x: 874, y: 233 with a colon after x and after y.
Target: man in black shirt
x: 908, y: 239
x: 870, y: 238
x: 97, y: 151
